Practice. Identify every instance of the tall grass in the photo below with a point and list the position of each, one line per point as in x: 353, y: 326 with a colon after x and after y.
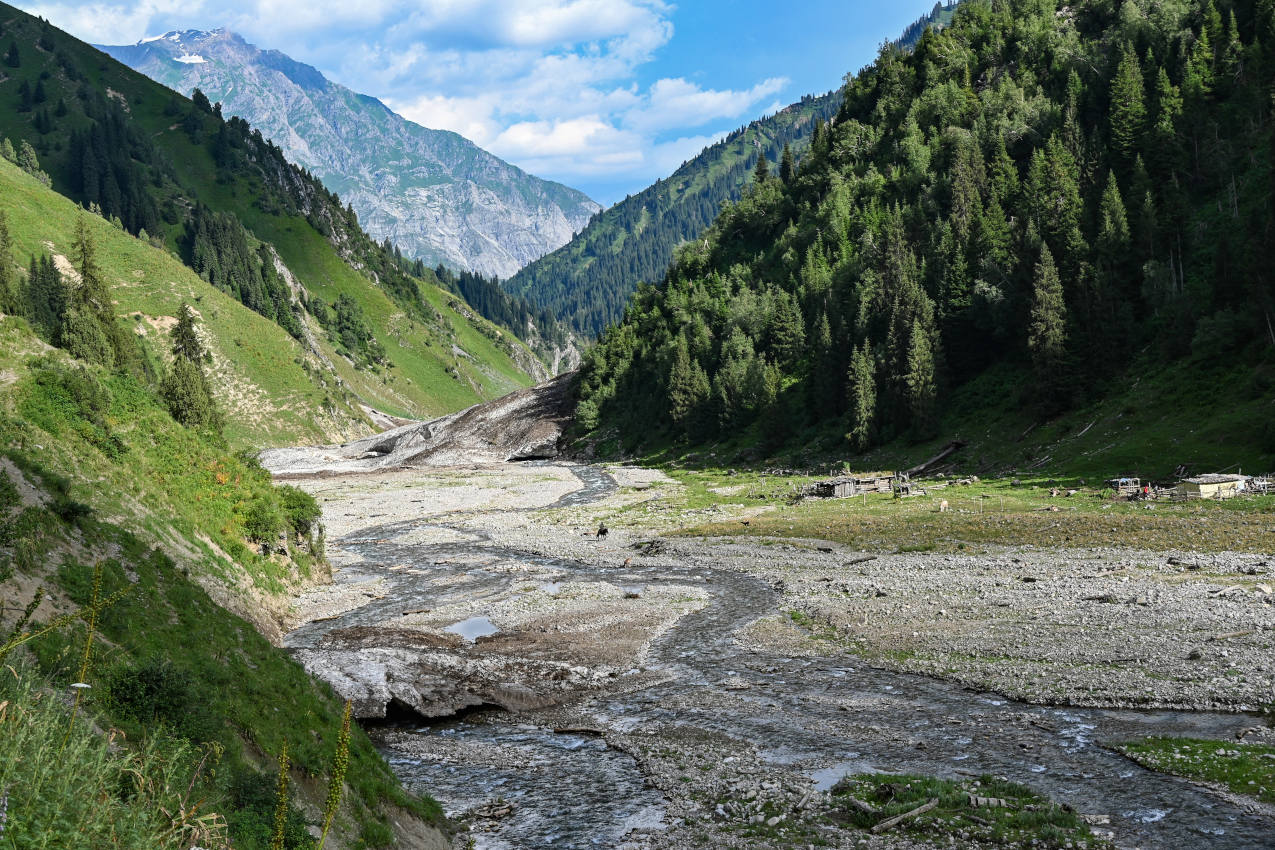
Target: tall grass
x: 69, y: 786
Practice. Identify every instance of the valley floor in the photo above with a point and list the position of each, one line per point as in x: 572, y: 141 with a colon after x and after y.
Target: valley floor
x: 644, y: 689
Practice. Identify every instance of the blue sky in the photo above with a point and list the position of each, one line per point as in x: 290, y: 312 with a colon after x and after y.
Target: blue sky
x: 603, y: 95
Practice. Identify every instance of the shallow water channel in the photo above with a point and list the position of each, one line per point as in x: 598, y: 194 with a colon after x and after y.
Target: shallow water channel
x: 571, y: 790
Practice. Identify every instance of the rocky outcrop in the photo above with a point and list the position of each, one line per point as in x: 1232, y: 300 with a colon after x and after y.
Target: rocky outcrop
x: 524, y: 425
x: 433, y: 193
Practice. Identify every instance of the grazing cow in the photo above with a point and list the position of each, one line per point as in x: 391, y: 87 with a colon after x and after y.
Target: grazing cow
x: 602, y: 531
x: 943, y: 506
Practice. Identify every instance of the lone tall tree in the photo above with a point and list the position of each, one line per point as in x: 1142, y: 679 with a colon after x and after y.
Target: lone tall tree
x: 863, y: 397
x: 1047, y: 330
x: 1128, y: 108
x: 185, y: 388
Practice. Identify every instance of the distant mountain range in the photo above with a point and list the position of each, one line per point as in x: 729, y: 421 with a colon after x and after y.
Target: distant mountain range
x: 433, y: 193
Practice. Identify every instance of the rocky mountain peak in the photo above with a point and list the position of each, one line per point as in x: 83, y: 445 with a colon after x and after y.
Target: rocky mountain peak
x: 435, y: 194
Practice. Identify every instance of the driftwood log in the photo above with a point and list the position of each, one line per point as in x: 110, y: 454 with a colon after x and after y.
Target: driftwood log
x: 895, y: 821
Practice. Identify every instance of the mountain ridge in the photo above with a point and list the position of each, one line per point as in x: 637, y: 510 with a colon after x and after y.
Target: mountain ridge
x: 434, y: 193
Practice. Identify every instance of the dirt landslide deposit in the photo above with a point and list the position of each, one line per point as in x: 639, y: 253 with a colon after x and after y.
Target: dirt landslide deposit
x: 554, y: 686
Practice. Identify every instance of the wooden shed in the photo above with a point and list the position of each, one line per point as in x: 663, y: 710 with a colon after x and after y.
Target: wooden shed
x: 846, y: 486
x: 1212, y: 486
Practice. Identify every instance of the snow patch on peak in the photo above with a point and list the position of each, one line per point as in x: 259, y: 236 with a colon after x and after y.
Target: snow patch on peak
x: 190, y: 59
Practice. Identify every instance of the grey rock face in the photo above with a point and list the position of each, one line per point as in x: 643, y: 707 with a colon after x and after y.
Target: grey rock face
x: 433, y: 193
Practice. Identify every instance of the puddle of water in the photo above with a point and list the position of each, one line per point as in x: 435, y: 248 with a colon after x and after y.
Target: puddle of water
x: 827, y: 777
x: 473, y: 628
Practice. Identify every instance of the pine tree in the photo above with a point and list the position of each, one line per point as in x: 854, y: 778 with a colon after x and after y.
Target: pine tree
x: 1047, y: 330
x: 786, y: 333
x: 863, y: 397
x: 921, y: 382
x: 685, y: 390
x: 762, y: 170
x: 10, y: 297
x: 29, y: 163
x: 7, y: 151
x: 13, y: 58
x: 185, y: 394
x: 185, y: 341
x: 83, y: 336
x: 46, y: 298
x: 1197, y: 82
x: 1128, y: 107
x: 91, y: 291
x: 786, y: 167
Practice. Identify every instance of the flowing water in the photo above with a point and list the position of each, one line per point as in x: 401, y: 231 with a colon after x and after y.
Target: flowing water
x: 572, y: 791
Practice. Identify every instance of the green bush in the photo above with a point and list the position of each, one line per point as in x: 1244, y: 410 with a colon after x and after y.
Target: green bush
x: 299, y: 507
x: 263, y: 521
x: 155, y: 692
x: 252, y: 797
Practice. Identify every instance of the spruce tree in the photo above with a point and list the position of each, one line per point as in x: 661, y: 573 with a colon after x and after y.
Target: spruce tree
x: 83, y: 336
x: 13, y: 58
x: 863, y: 397
x: 762, y: 170
x: 787, y: 169
x: 91, y: 292
x: 185, y: 341
x: 1047, y: 329
x: 185, y: 393
x: 10, y: 298
x: 1128, y: 108
x: 921, y: 381
x: 7, y: 151
x: 185, y: 388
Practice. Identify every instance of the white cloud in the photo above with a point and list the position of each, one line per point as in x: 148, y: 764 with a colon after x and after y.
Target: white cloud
x: 107, y: 22
x: 551, y: 85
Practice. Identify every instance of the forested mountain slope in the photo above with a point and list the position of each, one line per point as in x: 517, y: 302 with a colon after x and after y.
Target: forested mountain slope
x: 587, y: 282
x: 229, y: 205
x: 435, y: 194
x: 1038, y: 204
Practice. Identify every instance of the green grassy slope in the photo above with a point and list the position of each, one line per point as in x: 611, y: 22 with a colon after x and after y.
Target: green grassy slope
x: 271, y: 390
x: 94, y: 470
x: 175, y: 166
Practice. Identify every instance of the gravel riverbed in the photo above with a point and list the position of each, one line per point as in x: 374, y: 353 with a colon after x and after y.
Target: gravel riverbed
x: 692, y: 680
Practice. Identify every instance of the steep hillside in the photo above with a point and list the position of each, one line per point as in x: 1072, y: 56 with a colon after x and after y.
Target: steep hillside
x: 587, y: 282
x: 433, y: 193
x: 272, y: 389
x: 227, y: 202
x: 1034, y: 216
x: 104, y: 495
x: 105, y: 499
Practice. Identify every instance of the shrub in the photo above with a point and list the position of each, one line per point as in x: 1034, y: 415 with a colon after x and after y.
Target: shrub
x: 262, y: 522
x: 154, y: 692
x: 300, y: 508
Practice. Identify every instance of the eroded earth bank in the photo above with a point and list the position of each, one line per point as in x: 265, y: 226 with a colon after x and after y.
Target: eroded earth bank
x: 635, y: 690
